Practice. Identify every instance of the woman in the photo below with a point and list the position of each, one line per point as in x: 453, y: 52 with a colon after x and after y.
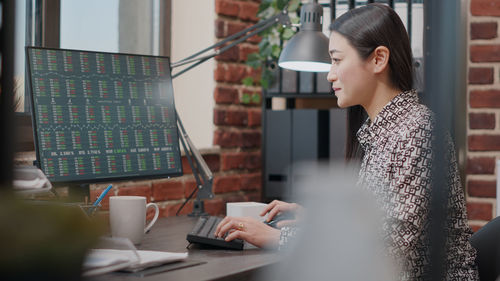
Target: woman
x: 372, y: 74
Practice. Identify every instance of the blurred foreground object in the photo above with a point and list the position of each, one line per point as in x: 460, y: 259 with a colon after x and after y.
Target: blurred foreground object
x: 341, y: 234
x: 43, y: 240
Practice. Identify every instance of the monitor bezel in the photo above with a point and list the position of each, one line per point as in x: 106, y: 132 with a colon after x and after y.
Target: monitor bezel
x: 104, y: 179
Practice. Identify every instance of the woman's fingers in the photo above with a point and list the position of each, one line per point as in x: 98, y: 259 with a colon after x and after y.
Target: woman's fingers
x: 237, y: 234
x: 219, y: 230
x: 269, y: 207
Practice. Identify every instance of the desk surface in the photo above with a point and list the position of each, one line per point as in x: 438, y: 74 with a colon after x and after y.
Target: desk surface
x: 169, y: 234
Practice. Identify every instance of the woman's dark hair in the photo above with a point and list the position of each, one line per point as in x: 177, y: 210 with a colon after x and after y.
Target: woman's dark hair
x: 367, y: 28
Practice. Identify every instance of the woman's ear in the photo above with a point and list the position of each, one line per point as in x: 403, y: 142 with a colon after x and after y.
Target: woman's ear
x: 380, y: 59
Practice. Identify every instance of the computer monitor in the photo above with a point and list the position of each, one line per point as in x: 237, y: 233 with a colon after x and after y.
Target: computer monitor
x: 102, y: 116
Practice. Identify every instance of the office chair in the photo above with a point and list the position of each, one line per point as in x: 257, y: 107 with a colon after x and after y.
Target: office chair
x: 487, y: 243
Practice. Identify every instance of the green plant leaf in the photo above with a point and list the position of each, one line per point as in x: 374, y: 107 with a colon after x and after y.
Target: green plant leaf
x: 245, y: 98
x: 276, y: 51
x: 255, y: 98
x: 266, y: 51
x: 247, y: 81
x: 288, y: 33
x: 267, y: 78
x: 293, y: 5
x: 280, y: 4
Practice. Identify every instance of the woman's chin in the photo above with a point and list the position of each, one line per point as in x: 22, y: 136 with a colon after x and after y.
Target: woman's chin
x: 341, y: 103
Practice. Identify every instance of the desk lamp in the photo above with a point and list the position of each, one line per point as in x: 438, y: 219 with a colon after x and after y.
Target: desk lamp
x: 306, y: 51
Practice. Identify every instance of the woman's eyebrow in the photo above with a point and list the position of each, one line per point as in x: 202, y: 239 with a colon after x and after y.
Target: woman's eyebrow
x: 333, y: 51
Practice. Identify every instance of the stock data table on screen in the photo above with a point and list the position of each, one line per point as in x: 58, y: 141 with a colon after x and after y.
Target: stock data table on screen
x: 103, y: 116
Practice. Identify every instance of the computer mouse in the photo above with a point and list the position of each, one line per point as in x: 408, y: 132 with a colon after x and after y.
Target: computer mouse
x: 279, y: 217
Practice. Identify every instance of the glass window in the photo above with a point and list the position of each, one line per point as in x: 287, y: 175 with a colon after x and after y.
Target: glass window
x: 19, y: 38
x: 89, y: 25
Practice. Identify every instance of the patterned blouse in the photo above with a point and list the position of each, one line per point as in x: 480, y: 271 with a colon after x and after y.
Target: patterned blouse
x: 396, y: 168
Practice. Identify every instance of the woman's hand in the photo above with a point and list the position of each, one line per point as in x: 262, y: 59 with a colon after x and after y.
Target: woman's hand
x: 250, y: 230
x: 277, y: 207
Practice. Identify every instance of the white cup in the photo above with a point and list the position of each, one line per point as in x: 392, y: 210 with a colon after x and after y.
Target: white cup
x: 127, y: 216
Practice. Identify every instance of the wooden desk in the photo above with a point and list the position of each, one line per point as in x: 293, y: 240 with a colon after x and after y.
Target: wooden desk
x: 169, y: 234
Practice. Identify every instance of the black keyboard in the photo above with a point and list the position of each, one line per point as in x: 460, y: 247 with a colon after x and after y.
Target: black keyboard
x: 204, y: 233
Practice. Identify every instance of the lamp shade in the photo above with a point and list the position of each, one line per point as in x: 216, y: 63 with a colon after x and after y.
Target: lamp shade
x: 308, y: 49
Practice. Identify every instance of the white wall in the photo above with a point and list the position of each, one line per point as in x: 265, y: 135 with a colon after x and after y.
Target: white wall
x: 193, y: 30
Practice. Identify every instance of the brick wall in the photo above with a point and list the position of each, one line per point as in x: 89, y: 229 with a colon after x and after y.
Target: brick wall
x: 483, y: 128
x: 236, y: 158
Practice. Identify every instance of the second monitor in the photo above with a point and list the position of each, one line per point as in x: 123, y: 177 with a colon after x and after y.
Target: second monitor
x: 102, y: 116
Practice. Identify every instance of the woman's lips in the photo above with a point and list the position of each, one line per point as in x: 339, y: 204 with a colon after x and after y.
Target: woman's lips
x: 336, y: 89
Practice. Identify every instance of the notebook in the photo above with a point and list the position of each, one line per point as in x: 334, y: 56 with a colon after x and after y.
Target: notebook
x: 99, y: 261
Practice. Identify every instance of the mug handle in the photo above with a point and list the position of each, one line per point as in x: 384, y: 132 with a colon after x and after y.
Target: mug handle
x: 157, y: 212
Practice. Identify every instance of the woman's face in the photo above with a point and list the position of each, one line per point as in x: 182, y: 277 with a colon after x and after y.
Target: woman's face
x: 353, y: 82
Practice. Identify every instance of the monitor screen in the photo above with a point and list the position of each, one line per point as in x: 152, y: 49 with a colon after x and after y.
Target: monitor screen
x: 102, y: 116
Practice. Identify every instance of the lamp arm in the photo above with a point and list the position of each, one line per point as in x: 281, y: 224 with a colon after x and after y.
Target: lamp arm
x: 219, y: 51
x: 241, y: 35
x: 200, y: 167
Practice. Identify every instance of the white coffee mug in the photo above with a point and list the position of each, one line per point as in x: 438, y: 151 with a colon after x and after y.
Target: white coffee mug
x: 127, y: 216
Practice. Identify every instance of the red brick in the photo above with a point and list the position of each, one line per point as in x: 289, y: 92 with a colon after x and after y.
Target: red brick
x: 220, y: 28
x: 234, y: 27
x: 482, y: 120
x: 253, y: 160
x: 485, y: 53
x: 484, y: 143
x: 475, y: 227
x: 94, y: 194
x: 245, y: 50
x: 236, y: 117
x: 150, y: 214
x: 485, y: 7
x: 215, y: 207
x: 212, y: 160
x: 231, y: 54
x: 254, y: 73
x: 254, y: 118
x: 140, y: 190
x: 220, y: 72
x: 481, y: 188
x: 225, y: 95
x: 189, y: 186
x: 230, y: 117
x: 219, y: 116
x: 234, y: 198
x: 171, y: 209
x: 251, y: 181
x: 226, y: 139
x: 235, y: 73
x: 483, y: 30
x: 254, y: 39
x: 168, y: 190
x: 480, y: 75
x: 232, y: 160
x: 251, y: 139
x: 253, y: 197
x: 232, y: 73
x: 485, y: 99
x: 481, y: 165
x: 228, y: 183
x: 226, y: 7
x: 248, y: 11
x: 479, y: 211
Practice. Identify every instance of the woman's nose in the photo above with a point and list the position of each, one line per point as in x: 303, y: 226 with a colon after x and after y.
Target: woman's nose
x: 332, y: 74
